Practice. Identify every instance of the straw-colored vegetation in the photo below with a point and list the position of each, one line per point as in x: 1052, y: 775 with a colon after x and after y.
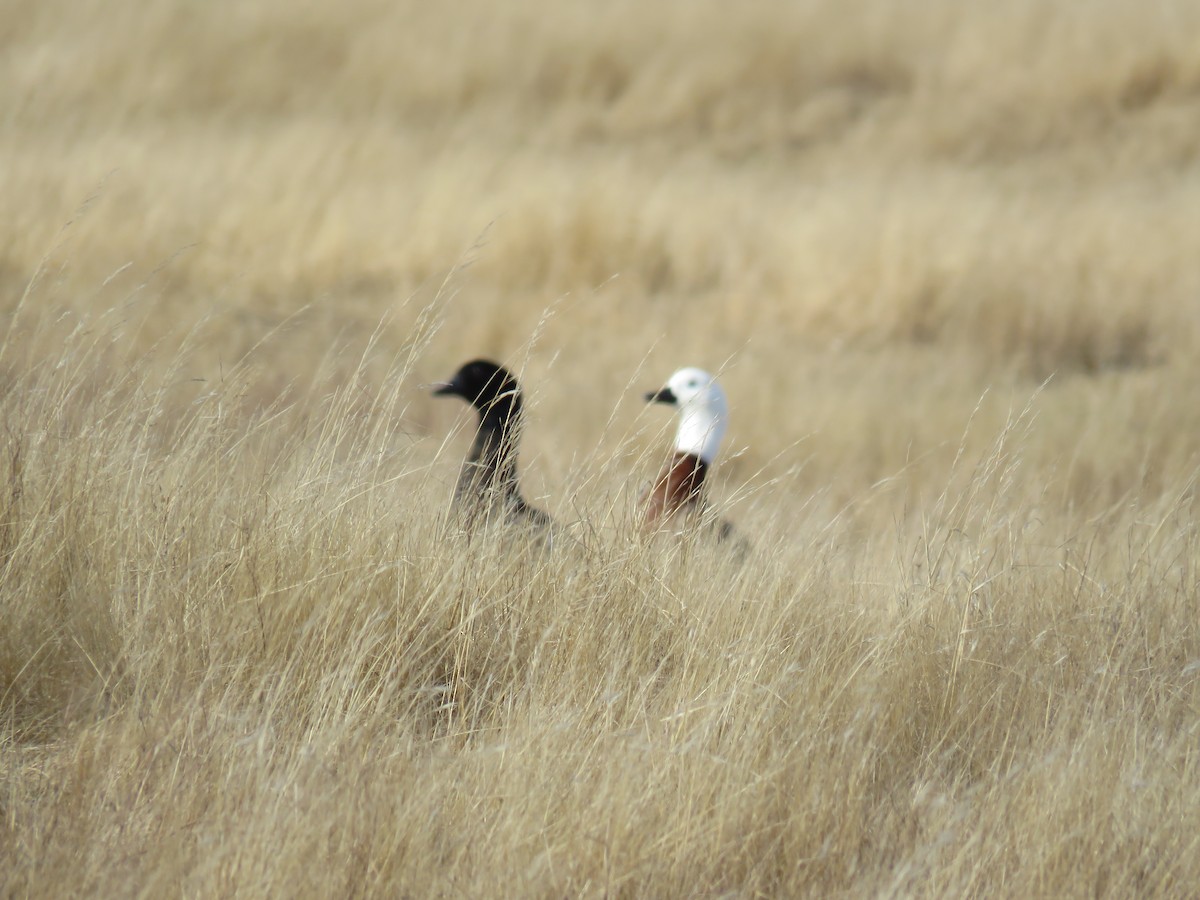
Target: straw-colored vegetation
x: 946, y: 257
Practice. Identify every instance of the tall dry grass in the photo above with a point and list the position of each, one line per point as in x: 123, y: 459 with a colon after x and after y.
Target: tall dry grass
x: 944, y: 260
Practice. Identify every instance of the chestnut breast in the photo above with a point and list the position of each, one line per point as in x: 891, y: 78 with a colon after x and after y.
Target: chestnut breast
x: 680, y: 485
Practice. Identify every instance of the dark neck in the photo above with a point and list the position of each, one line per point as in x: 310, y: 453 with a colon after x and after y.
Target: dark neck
x: 502, y: 415
x: 492, y: 462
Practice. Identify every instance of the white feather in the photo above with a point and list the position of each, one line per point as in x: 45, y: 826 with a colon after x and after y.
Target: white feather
x: 704, y: 414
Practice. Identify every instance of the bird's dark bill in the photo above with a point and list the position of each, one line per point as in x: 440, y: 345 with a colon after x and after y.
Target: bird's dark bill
x: 665, y: 395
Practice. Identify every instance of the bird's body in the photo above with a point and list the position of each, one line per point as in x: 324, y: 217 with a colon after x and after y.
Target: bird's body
x: 678, y: 494
x: 487, y: 487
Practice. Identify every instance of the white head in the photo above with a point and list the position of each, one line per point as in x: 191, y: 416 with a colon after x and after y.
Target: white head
x: 703, y: 412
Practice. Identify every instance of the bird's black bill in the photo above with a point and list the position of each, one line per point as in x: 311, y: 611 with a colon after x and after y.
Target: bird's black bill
x: 662, y: 396
x: 445, y: 388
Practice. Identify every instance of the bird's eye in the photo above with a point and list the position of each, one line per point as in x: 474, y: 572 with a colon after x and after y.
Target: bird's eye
x: 693, y: 383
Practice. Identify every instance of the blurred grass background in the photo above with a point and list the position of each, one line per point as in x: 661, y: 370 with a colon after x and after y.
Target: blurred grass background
x: 944, y: 259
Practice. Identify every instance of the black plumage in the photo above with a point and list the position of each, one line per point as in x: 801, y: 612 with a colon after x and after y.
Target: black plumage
x: 487, y: 485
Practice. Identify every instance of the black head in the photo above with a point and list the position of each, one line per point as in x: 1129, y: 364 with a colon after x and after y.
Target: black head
x: 484, y: 384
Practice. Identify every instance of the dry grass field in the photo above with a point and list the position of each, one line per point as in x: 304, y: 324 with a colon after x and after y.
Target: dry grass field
x: 946, y: 259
